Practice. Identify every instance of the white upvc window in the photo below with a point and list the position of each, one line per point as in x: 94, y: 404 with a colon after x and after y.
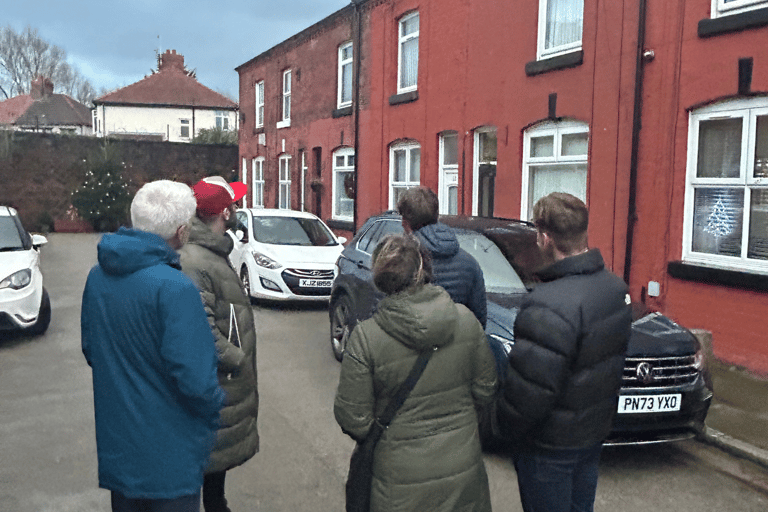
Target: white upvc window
x: 285, y: 114
x: 729, y: 7
x: 222, y: 120
x: 345, y: 75
x: 184, y: 128
x: 257, y: 181
x: 259, y: 94
x: 404, y: 170
x: 726, y: 197
x: 344, y: 184
x: 408, y: 53
x: 560, y: 27
x: 449, y: 173
x: 555, y: 158
x: 285, y: 183
x: 484, y: 162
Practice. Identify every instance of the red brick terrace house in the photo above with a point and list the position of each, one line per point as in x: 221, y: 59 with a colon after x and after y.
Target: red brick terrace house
x: 654, y: 112
x: 43, y: 111
x: 168, y: 105
x: 298, y: 122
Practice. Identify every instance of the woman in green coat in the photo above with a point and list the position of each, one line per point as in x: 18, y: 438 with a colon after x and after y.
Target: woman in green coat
x: 429, y: 458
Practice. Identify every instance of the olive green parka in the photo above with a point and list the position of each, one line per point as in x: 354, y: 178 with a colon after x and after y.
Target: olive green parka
x: 204, y: 259
x: 429, y: 458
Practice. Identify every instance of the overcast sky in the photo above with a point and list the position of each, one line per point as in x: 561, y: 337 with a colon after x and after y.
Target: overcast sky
x: 112, y: 43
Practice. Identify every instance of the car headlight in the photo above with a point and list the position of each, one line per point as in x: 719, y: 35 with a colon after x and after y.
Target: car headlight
x: 699, y: 360
x: 265, y: 261
x: 17, y: 280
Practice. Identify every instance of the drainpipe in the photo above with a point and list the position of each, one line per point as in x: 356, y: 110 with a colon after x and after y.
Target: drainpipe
x: 356, y: 49
x: 636, y: 126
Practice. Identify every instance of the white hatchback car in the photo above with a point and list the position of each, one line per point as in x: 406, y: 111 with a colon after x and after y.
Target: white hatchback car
x: 24, y: 302
x: 284, y: 254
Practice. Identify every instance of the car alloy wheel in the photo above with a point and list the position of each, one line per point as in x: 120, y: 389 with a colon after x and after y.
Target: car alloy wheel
x: 43, y: 316
x: 246, y: 279
x: 341, y: 326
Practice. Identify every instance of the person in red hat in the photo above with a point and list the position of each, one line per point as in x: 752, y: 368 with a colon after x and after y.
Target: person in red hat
x: 204, y: 259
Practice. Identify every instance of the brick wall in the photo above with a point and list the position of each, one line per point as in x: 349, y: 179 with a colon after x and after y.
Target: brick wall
x: 38, y: 172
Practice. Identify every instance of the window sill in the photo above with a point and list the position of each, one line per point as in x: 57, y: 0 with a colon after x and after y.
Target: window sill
x: 403, y: 97
x: 569, y: 60
x: 283, y: 124
x: 724, y: 24
x: 711, y: 275
x: 342, y: 111
x: 345, y: 225
x: 258, y: 130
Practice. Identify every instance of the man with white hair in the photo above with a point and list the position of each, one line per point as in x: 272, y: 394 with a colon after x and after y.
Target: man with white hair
x: 145, y: 335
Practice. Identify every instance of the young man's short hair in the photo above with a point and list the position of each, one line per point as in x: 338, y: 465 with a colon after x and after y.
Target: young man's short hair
x: 565, y: 218
x: 419, y: 207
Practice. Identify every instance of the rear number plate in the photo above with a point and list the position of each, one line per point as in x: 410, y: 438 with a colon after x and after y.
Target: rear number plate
x: 649, y: 403
x: 315, y: 283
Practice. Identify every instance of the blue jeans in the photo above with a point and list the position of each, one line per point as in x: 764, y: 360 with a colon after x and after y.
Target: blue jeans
x: 183, y: 504
x: 558, y: 480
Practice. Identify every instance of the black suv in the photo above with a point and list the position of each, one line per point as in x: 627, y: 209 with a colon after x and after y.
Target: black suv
x: 666, y: 388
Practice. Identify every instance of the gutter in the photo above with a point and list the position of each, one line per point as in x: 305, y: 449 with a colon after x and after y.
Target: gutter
x: 636, y: 127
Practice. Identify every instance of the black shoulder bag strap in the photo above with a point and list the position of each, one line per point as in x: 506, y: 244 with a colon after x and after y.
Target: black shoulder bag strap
x: 383, y: 421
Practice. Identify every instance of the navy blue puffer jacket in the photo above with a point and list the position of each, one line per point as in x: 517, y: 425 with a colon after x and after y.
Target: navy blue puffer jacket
x: 455, y: 269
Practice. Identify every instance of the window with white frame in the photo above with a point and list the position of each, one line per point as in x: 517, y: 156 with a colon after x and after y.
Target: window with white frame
x: 184, y: 128
x: 449, y: 173
x: 729, y: 7
x: 285, y: 115
x: 344, y: 184
x: 555, y: 157
x: 484, y: 164
x: 404, y: 170
x: 726, y: 198
x: 345, y: 75
x: 284, y: 201
x: 560, y: 27
x: 222, y: 120
x: 259, y: 94
x: 257, y: 180
x: 408, y: 53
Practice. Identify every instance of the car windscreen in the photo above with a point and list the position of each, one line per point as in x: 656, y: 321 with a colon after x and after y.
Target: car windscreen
x: 10, y: 239
x: 498, y: 274
x: 291, y: 231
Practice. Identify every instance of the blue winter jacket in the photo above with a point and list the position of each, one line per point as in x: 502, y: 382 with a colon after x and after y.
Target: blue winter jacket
x: 156, y: 395
x: 455, y: 269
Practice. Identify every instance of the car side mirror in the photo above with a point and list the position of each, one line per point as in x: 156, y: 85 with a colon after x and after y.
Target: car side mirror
x: 38, y: 240
x: 342, y: 239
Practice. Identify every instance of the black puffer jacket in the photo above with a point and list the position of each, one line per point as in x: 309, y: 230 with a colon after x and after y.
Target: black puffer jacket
x: 565, y: 368
x: 455, y: 269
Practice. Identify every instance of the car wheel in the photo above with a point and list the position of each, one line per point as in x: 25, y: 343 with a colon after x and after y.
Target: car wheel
x: 246, y: 279
x: 341, y: 325
x: 44, y: 316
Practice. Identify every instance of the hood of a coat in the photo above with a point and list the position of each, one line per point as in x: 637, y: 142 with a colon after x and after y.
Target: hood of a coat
x: 130, y: 250
x: 586, y: 263
x: 201, y: 234
x: 418, y: 318
x: 439, y: 239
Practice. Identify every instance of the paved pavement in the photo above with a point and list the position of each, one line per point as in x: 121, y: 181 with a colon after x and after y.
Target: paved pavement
x: 738, y: 417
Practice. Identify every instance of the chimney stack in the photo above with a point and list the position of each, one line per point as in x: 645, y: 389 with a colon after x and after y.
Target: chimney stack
x: 171, y: 60
x: 40, y: 88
